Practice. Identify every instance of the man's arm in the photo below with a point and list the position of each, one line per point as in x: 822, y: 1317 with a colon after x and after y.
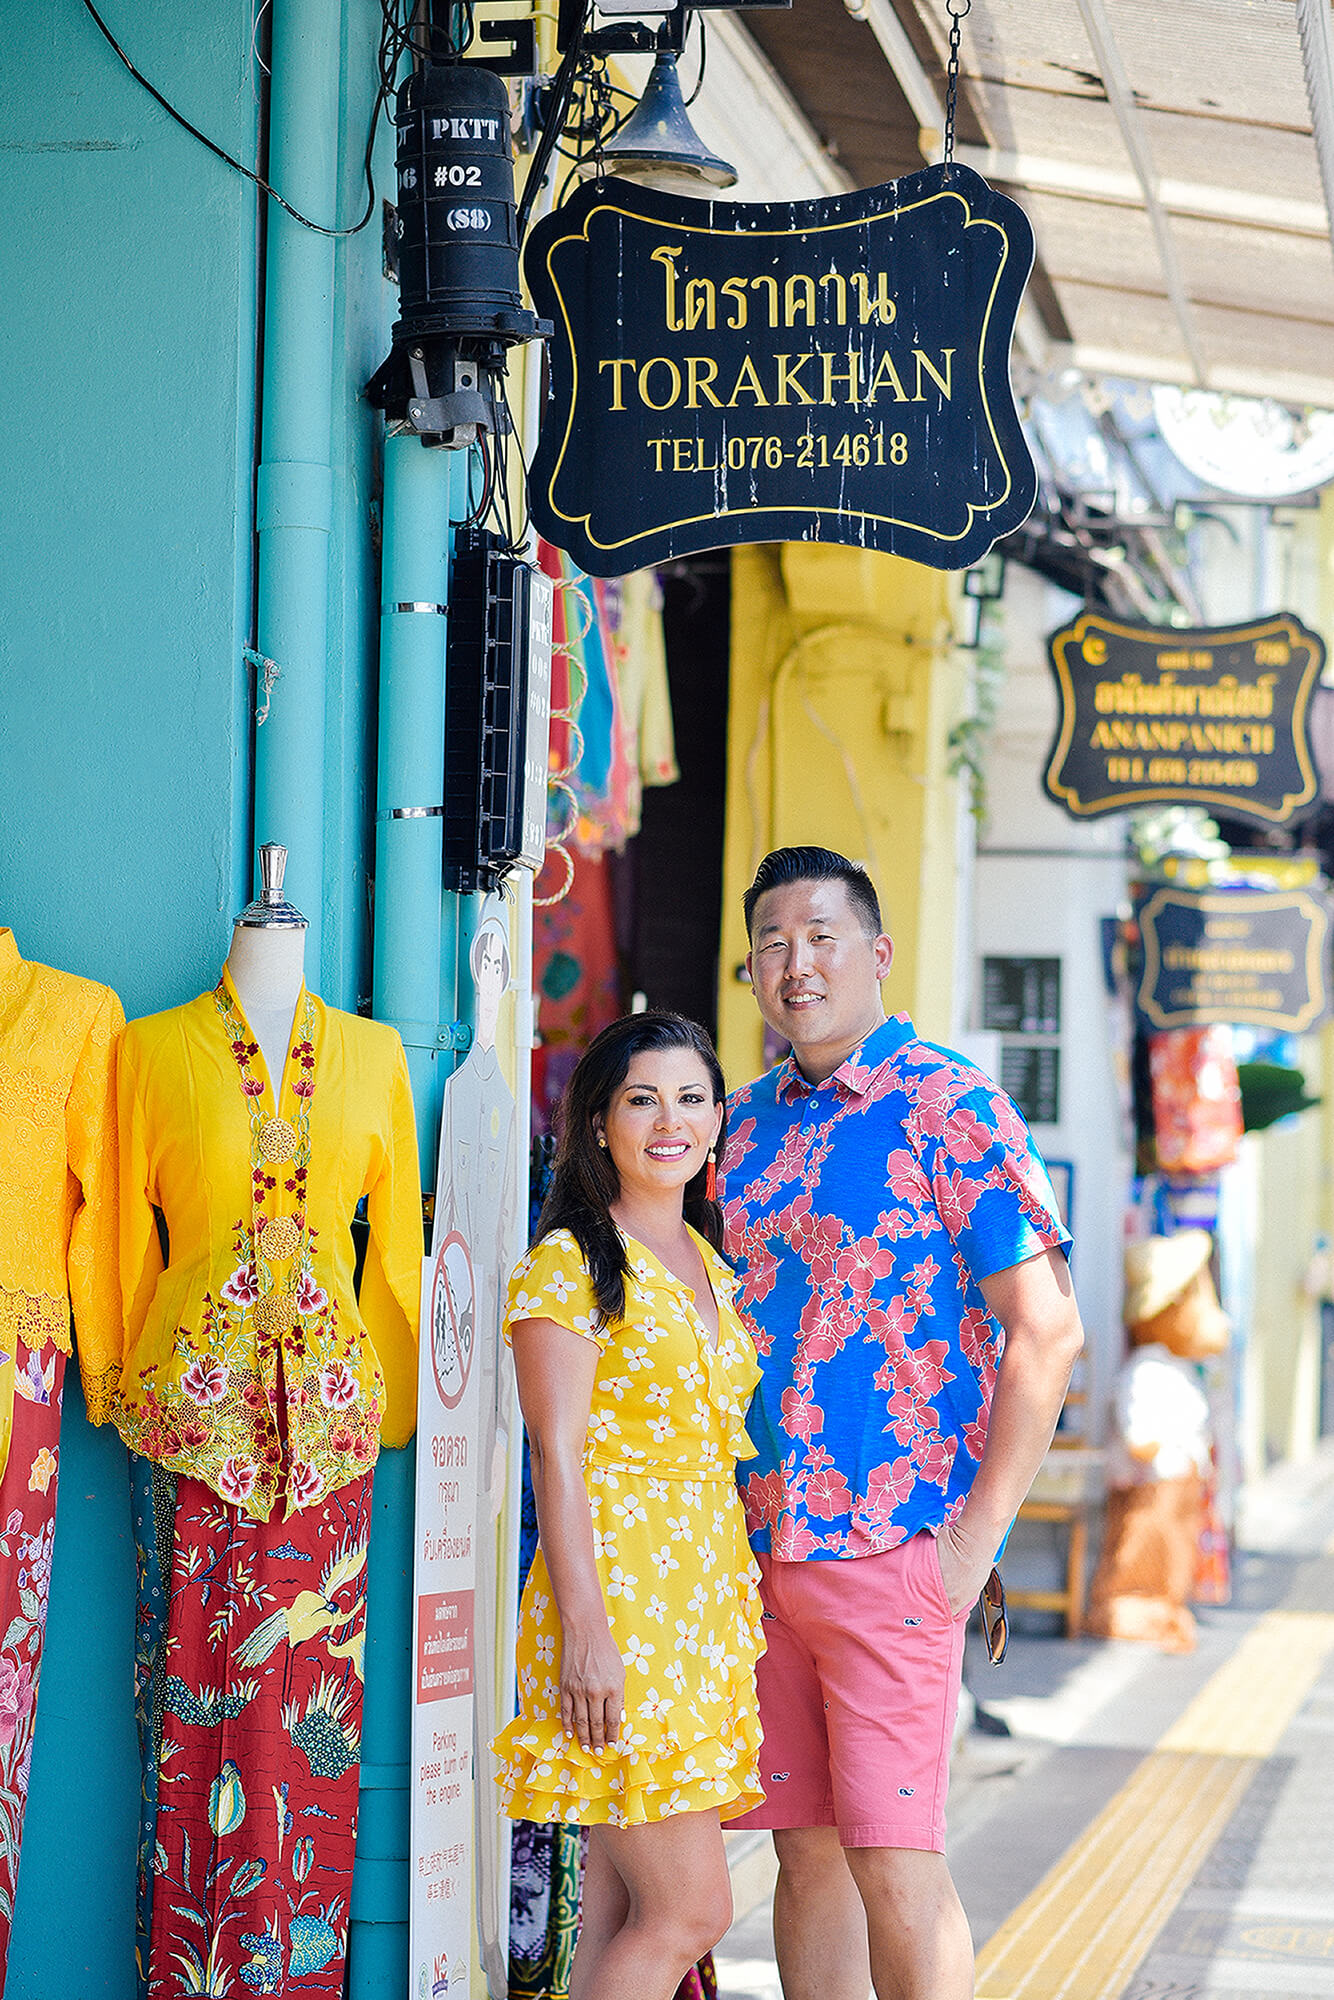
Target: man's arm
x: 1035, y: 1303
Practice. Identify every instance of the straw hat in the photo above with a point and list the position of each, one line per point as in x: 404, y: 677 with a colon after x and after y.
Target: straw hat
x: 1158, y: 1270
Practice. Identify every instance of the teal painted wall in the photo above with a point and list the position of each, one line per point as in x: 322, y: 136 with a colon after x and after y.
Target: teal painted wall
x: 130, y: 267
x: 127, y: 263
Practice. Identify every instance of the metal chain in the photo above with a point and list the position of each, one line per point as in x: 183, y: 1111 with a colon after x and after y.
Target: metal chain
x: 599, y: 112
x: 956, y: 9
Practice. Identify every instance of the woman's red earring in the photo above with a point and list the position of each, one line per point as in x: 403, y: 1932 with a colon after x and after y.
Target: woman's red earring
x: 711, y: 1179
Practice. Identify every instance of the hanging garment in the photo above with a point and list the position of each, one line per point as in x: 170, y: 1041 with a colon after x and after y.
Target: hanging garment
x: 57, y: 1249
x: 545, y: 1882
x: 621, y: 811
x: 643, y: 680
x: 576, y: 979
x: 58, y: 1191
x: 27, y: 1526
x: 250, y: 1363
x: 1196, y: 1099
x: 249, y: 1701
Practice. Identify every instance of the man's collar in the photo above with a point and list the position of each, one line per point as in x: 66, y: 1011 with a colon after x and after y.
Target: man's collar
x: 858, y: 1069
x: 10, y: 960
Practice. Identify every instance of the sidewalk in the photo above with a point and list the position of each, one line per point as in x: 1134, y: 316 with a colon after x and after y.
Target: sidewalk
x: 1154, y: 1828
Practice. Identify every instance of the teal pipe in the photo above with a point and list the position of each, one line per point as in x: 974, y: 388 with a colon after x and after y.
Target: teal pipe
x: 377, y: 1931
x: 415, y: 964
x: 294, y: 499
x: 423, y: 490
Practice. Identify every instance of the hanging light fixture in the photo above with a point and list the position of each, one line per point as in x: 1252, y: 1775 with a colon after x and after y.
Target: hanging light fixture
x: 658, y: 146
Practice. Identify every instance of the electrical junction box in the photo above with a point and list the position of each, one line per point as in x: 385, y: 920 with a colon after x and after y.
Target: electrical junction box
x: 497, y: 714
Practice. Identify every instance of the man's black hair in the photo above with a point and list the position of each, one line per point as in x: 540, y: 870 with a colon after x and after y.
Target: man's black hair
x: 814, y: 864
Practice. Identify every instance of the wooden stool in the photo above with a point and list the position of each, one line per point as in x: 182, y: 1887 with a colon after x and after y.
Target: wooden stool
x: 1071, y: 1510
x: 1069, y: 1601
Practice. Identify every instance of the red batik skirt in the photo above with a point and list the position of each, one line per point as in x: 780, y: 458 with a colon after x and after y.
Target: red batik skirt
x: 27, y: 1526
x: 250, y: 1685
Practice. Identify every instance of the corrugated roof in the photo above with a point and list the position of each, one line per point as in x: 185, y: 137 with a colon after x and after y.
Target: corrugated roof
x: 1208, y: 96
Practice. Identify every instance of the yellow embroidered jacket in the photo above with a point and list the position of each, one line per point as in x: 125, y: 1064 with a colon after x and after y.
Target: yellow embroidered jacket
x: 58, y: 1189
x: 249, y: 1363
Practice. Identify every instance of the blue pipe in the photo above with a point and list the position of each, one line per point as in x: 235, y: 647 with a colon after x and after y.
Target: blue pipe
x: 294, y: 512
x: 421, y: 490
x: 415, y: 942
x: 377, y: 1931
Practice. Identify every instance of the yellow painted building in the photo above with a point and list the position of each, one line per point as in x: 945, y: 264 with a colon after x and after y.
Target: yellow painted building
x: 845, y: 684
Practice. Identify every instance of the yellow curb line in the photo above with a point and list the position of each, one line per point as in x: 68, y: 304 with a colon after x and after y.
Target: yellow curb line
x: 1096, y: 1914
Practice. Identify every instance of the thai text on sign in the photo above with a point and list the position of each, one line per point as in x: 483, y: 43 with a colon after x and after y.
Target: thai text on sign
x: 1252, y: 957
x: 1217, y: 717
x: 833, y: 370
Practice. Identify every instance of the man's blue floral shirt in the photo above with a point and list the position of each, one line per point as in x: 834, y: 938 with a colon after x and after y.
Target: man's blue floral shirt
x: 861, y: 1214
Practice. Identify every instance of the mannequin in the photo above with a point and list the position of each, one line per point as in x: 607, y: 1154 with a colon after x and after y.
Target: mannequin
x: 58, y: 1235
x: 257, y: 1386
x: 1161, y: 1453
x: 267, y: 962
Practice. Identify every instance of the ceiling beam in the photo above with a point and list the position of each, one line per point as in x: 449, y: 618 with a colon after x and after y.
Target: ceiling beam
x: 1313, y: 391
x: 1317, y: 38
x: 1083, y: 180
x: 1121, y: 98
x: 903, y: 60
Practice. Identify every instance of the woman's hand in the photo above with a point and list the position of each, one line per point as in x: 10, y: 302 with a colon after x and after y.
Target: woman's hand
x: 592, y: 1688
x: 556, y: 1370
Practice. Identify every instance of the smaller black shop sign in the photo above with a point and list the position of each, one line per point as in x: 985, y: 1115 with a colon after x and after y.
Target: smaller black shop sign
x: 1031, y: 1075
x: 833, y: 370
x: 1256, y: 957
x: 1022, y: 995
x: 1215, y: 717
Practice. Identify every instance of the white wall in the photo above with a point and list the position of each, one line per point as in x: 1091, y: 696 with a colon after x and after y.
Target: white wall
x: 1042, y: 882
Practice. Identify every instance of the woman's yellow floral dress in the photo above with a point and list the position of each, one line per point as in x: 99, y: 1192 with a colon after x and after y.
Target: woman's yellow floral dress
x: 665, y: 1430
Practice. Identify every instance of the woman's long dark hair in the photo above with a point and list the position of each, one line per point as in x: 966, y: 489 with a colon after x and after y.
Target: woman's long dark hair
x: 585, y: 1183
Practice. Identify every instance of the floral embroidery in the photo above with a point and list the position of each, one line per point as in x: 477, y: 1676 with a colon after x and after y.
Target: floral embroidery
x: 271, y: 1331
x: 243, y: 1285
x: 338, y: 1386
x: 857, y: 1211
x: 236, y: 1481
x: 43, y: 1471
x: 273, y: 1140
x: 205, y: 1380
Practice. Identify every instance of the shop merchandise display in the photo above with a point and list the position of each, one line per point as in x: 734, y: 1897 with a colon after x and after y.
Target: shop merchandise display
x: 1197, y: 1116
x: 1160, y: 1457
x: 256, y: 1391
x: 57, y: 1253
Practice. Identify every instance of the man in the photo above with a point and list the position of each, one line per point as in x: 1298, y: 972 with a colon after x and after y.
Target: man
x: 904, y: 1274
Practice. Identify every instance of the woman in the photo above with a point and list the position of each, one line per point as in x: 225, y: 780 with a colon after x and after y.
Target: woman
x: 640, y: 1623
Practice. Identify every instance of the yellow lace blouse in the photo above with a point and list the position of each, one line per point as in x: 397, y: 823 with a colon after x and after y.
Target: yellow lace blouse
x: 58, y: 1189
x: 249, y: 1361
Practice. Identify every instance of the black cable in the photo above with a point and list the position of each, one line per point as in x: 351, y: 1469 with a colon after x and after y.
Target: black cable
x: 480, y: 511
x: 516, y: 542
x: 703, y: 61
x: 258, y: 179
x: 562, y: 91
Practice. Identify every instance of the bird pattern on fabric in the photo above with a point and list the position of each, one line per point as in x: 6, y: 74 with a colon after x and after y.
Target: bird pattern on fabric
x: 250, y: 1714
x: 315, y: 1612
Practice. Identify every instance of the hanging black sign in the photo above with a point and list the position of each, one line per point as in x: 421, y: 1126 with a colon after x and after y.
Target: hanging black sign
x: 832, y: 370
x: 1258, y: 957
x: 1216, y: 717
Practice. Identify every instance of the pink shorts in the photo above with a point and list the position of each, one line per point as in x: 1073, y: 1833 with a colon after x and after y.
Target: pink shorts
x: 859, y: 1689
